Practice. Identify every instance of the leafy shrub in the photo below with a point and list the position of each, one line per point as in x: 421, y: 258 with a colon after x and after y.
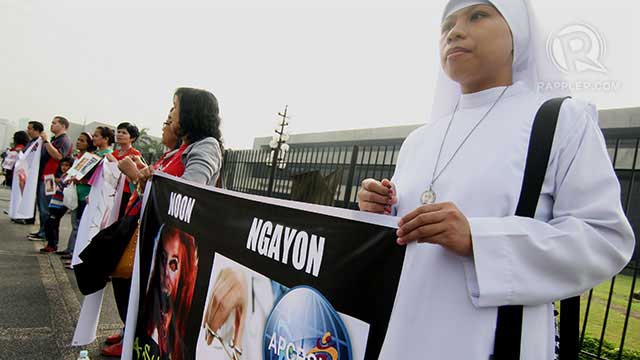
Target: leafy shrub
x: 610, y: 352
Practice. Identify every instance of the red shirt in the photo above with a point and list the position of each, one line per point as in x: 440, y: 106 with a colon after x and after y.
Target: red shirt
x: 49, y: 165
x: 132, y: 151
x: 118, y: 155
x: 169, y: 165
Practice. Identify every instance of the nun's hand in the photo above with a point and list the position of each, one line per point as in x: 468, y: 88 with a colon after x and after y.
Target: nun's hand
x: 441, y: 224
x: 377, y: 196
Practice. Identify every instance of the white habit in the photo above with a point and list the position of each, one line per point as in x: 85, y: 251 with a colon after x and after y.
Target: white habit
x: 446, y: 306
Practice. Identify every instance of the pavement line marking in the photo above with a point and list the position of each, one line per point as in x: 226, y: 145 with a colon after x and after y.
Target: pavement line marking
x: 63, y: 302
x: 20, y: 334
x: 13, y: 253
x: 65, y: 306
x: 110, y: 327
x: 65, y: 288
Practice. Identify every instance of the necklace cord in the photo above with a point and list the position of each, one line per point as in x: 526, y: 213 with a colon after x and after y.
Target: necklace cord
x: 435, y: 177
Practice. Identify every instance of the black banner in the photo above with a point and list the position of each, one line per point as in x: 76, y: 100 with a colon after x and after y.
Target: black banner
x: 225, y: 277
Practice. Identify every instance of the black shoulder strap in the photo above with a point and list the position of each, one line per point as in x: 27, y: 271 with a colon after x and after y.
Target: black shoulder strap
x: 570, y: 332
x: 509, y: 321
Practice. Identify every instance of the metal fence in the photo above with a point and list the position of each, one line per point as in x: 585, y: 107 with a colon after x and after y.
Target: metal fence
x: 608, y: 316
x: 613, y: 325
x: 248, y: 170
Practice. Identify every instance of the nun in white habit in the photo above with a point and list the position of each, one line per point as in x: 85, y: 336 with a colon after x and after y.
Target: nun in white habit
x: 457, y: 183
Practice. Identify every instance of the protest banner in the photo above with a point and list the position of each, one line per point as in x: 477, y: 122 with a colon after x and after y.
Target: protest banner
x: 10, y: 160
x: 100, y: 212
x: 224, y: 275
x: 49, y: 184
x: 25, y: 182
x: 83, y: 165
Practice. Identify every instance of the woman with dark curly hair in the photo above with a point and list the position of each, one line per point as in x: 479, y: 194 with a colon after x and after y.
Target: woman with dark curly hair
x: 20, y: 140
x: 195, y: 120
x: 195, y: 117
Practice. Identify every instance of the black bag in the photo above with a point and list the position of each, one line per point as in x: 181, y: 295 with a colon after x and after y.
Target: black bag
x: 509, y: 321
x: 101, y: 256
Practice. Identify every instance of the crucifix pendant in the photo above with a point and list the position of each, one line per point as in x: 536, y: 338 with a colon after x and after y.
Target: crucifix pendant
x: 428, y: 197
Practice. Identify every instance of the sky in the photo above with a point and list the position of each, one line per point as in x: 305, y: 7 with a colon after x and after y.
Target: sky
x: 338, y: 65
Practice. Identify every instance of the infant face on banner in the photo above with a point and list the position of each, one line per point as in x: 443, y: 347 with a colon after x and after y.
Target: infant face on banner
x: 170, y: 274
x: 167, y: 302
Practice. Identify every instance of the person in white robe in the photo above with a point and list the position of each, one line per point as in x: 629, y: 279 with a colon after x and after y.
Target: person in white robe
x: 457, y: 184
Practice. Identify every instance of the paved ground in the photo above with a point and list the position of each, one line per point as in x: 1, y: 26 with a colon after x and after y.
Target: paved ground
x: 39, y: 298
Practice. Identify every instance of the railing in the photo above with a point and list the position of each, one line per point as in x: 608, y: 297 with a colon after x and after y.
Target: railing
x: 248, y: 170
x: 610, y: 317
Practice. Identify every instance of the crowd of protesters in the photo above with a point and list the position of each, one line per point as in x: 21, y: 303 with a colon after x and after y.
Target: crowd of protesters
x: 191, y: 133
x: 490, y: 245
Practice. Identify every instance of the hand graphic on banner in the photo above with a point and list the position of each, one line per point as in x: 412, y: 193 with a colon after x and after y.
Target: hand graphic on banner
x: 228, y: 297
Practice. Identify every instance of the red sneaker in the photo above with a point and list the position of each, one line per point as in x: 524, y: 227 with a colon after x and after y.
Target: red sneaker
x: 114, y: 350
x: 114, y: 339
x: 48, y: 249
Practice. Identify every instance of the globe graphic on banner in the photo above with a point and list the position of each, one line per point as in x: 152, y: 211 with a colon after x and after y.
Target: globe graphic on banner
x: 304, y: 326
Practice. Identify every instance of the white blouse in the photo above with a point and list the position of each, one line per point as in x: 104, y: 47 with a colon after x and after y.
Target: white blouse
x: 446, y: 304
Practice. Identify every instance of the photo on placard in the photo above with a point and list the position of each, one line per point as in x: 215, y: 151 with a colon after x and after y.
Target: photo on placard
x: 21, y: 175
x: 83, y: 165
x: 270, y: 321
x: 49, y: 185
x: 252, y: 283
x: 10, y: 160
x: 167, y: 302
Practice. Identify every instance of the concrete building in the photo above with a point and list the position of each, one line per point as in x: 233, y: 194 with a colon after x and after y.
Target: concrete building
x: 619, y: 118
x: 608, y: 119
x: 75, y: 129
x: 22, y: 123
x: 7, y: 128
x: 376, y: 156
x: 388, y: 134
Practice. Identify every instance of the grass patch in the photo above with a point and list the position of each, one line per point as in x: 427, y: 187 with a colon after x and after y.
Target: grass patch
x: 617, y: 313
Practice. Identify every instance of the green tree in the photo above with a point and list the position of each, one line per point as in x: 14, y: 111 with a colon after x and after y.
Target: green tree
x: 150, y: 148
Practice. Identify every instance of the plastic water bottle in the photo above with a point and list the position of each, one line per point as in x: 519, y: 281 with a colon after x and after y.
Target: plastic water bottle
x: 84, y: 355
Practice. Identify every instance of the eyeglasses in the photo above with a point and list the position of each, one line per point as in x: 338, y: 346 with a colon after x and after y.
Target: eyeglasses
x: 232, y: 351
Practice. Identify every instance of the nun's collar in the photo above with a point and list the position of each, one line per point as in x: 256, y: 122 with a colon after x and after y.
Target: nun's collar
x: 489, y: 96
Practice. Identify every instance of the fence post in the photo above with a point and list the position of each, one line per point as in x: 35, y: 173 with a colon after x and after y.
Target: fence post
x: 228, y: 172
x: 350, y: 176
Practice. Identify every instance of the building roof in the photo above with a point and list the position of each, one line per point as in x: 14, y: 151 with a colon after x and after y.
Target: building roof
x: 610, y: 118
x: 360, y: 136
